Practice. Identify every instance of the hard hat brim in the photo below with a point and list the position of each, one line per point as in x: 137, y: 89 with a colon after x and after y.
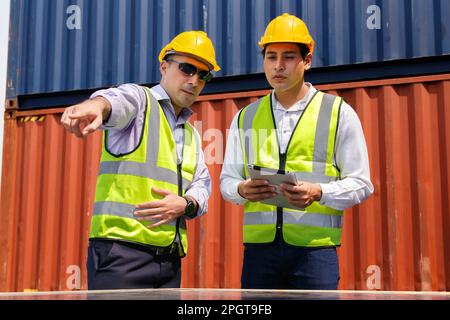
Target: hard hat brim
x: 180, y: 53
x: 263, y: 44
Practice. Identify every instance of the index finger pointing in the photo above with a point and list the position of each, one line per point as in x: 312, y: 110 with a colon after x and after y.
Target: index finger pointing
x: 93, y: 126
x: 78, y: 114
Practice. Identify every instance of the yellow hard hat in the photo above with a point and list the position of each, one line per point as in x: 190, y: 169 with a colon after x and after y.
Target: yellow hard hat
x: 195, y: 43
x: 287, y: 28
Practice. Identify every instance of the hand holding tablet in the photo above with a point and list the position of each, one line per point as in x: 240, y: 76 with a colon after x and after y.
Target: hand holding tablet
x: 275, y: 179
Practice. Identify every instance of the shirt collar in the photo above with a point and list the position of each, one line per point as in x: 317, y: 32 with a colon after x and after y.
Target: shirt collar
x: 161, y: 95
x: 299, y: 105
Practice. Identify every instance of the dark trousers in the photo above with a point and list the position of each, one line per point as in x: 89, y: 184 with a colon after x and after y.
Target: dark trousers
x: 120, y: 265
x: 281, y: 266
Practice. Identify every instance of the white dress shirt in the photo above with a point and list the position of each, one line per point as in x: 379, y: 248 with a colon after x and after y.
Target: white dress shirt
x: 350, y: 156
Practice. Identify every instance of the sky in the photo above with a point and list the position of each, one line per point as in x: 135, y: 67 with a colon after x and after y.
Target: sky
x: 4, y: 26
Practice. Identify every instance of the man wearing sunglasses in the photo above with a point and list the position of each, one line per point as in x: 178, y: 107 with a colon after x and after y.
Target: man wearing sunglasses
x: 152, y: 174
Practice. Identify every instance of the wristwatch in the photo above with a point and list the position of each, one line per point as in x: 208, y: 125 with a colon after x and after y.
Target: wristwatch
x: 190, y: 210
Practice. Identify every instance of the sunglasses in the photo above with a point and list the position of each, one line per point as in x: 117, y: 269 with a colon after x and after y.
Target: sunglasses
x: 191, y: 70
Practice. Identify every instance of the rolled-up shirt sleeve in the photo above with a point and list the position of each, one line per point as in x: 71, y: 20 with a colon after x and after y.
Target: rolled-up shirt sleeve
x: 125, y: 122
x: 127, y: 101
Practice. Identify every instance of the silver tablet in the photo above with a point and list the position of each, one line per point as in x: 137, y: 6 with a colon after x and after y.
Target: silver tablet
x: 275, y: 179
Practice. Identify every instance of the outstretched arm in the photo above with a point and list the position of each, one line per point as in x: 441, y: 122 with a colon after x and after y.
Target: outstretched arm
x: 86, y: 117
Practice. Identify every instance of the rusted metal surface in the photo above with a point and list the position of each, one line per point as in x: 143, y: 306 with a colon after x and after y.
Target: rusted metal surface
x: 46, y: 197
x: 399, y: 239
x: 404, y: 228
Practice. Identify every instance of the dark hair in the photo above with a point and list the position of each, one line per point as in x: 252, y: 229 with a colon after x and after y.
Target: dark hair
x: 304, y: 50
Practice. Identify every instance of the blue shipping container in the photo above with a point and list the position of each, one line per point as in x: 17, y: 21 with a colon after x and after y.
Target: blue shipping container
x: 62, y: 45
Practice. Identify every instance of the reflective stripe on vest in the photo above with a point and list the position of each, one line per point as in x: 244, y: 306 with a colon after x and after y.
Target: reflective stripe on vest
x: 309, y: 154
x: 127, y: 179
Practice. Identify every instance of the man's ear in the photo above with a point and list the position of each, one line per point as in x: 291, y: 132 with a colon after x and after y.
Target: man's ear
x: 163, y: 67
x: 308, y: 61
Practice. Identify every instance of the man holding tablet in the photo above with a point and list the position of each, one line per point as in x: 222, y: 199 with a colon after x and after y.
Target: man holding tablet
x: 316, y: 136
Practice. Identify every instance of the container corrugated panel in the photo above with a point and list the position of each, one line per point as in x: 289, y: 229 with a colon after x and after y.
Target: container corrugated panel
x: 61, y: 45
x: 399, y: 239
x: 46, y: 206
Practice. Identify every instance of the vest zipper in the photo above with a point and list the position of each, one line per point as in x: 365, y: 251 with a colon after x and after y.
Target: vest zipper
x: 282, y: 157
x: 180, y: 194
x: 180, y: 180
x: 279, y: 230
x: 179, y: 166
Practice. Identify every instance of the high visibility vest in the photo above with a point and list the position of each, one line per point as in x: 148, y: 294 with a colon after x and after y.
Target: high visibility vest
x: 127, y: 179
x: 309, y: 154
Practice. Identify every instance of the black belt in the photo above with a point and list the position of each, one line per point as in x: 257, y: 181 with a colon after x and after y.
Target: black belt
x: 159, y: 251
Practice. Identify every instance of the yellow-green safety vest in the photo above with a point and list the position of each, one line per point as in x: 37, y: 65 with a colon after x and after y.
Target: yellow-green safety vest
x: 127, y: 179
x: 309, y: 154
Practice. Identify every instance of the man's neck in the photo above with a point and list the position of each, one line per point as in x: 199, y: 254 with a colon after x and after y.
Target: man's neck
x: 289, y: 97
x: 176, y: 108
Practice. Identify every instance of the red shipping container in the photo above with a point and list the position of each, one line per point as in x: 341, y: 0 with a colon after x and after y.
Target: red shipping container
x: 399, y: 239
